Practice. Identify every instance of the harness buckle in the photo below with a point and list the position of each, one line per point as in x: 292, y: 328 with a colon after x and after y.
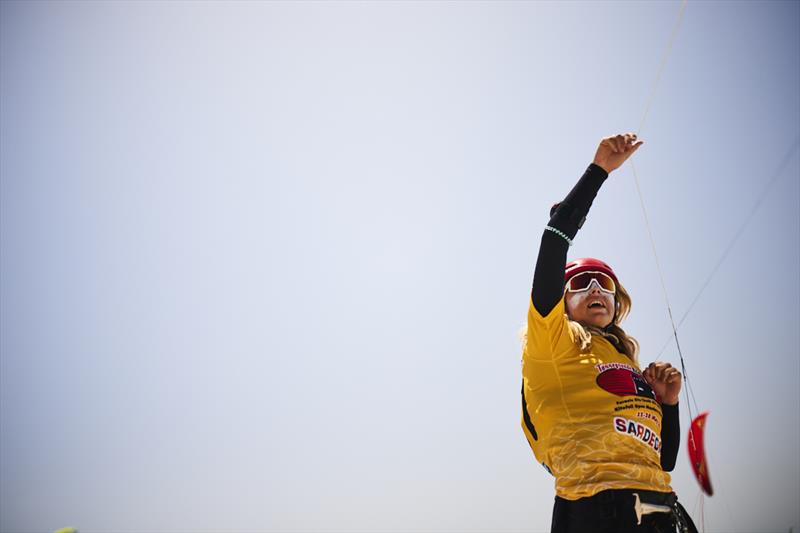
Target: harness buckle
x: 647, y: 508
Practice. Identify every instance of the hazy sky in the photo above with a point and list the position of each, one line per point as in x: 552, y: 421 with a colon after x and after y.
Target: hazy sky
x: 264, y: 263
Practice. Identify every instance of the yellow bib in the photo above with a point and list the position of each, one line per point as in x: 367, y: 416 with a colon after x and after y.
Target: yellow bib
x: 591, y: 418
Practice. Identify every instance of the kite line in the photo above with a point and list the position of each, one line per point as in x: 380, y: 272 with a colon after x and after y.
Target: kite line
x: 762, y: 195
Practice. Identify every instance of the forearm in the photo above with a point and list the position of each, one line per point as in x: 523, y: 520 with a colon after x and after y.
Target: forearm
x: 565, y: 221
x: 670, y: 436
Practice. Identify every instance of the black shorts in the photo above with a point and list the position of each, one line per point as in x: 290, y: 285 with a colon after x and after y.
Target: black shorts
x: 614, y: 511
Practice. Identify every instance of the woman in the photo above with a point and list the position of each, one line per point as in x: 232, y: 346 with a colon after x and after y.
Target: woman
x: 608, y: 432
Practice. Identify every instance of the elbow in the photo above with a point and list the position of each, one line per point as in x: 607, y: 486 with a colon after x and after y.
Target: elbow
x: 668, y: 466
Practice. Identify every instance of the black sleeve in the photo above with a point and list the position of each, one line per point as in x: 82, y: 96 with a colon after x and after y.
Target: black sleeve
x: 566, y: 217
x: 670, y: 436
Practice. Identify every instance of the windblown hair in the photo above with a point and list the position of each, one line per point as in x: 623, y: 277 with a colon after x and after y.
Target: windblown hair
x: 613, y: 333
x: 624, y: 343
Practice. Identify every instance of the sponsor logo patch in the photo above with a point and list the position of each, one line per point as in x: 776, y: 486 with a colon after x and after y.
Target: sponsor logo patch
x: 638, y: 431
x: 623, y: 380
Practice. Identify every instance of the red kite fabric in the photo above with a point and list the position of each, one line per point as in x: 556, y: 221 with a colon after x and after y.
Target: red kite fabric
x: 697, y: 453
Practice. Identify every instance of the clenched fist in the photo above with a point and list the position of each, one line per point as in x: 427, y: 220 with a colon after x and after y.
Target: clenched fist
x: 615, y: 150
x: 664, y: 380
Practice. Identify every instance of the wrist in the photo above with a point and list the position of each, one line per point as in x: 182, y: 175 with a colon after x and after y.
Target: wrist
x: 604, y: 165
x: 669, y: 401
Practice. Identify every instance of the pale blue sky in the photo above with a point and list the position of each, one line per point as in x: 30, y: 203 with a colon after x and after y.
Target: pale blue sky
x: 263, y: 264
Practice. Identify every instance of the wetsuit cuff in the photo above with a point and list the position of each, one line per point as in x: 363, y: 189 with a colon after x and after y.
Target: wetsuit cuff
x: 600, y: 171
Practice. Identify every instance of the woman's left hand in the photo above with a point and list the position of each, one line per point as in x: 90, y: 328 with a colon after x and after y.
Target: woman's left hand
x: 615, y: 150
x: 665, y: 381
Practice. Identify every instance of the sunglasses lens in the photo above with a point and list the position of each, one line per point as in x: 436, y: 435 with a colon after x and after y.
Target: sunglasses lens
x: 581, y: 282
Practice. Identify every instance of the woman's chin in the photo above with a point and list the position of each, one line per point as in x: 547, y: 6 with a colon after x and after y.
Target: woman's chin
x: 599, y: 323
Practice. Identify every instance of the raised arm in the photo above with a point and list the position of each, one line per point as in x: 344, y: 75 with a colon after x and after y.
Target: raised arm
x: 567, y: 217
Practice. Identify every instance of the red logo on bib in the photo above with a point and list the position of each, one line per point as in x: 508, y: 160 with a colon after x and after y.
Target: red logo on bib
x: 623, y: 380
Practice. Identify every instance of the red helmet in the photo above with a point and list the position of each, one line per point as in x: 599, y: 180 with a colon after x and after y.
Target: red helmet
x: 585, y: 264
